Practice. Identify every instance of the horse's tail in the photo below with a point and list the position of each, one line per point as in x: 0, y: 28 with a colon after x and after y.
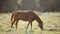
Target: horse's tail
x: 12, y: 18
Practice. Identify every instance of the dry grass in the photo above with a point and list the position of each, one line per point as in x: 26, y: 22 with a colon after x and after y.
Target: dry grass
x: 49, y: 18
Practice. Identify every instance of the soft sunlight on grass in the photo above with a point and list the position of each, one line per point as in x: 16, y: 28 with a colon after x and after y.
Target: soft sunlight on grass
x: 51, y: 21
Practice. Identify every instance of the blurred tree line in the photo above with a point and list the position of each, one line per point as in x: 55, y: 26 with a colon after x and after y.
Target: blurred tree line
x: 50, y: 5
x: 40, y: 5
x: 7, y: 5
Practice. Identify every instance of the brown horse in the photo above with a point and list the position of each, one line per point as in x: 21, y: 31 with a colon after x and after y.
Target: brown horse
x: 25, y: 15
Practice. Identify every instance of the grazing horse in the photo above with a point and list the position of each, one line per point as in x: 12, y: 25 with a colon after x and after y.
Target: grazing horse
x: 25, y: 15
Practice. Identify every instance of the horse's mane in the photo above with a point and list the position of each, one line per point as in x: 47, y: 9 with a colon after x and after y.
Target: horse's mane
x: 24, y: 11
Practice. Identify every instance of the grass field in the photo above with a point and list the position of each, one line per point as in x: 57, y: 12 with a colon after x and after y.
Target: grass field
x: 51, y: 21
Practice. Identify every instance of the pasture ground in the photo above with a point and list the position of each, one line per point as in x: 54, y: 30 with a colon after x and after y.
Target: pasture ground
x: 51, y: 21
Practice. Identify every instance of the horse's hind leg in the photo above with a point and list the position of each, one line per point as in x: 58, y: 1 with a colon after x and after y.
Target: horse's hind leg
x: 16, y: 23
x: 31, y: 25
x: 12, y: 23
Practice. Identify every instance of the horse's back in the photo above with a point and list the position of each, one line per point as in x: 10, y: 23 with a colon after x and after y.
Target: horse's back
x: 23, y: 14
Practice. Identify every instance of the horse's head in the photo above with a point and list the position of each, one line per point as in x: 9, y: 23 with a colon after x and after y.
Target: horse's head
x: 41, y: 25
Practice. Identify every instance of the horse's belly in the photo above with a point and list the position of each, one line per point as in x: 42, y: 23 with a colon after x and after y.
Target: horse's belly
x: 25, y: 18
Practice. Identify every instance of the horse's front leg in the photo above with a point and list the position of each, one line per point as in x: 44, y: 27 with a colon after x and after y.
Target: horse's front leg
x: 30, y: 22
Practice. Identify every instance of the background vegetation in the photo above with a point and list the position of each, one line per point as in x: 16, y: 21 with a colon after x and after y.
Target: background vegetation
x: 40, y: 5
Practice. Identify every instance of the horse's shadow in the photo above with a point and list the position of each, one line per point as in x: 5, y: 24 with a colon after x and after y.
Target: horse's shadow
x: 29, y: 32
x: 32, y: 32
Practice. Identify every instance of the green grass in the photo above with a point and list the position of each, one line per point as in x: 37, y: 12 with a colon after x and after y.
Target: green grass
x: 48, y: 18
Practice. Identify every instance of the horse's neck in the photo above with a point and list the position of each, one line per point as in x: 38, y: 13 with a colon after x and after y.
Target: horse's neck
x: 38, y: 19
